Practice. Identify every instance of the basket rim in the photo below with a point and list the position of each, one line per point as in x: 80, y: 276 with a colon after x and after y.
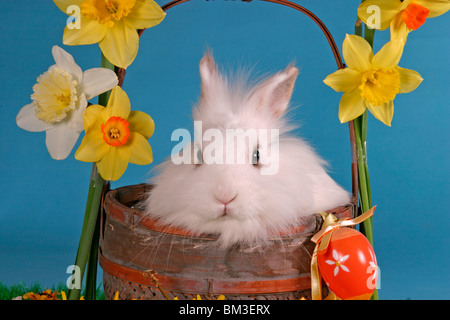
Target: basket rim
x: 134, y: 217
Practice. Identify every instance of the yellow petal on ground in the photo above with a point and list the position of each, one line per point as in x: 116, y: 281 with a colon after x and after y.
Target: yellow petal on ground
x: 120, y: 44
x: 357, y: 53
x: 139, y: 149
x: 351, y: 106
x: 118, y: 105
x: 145, y: 14
x: 409, y: 80
x: 92, y: 117
x: 436, y: 7
x: 388, y: 9
x: 113, y: 165
x: 90, y: 32
x: 343, y: 80
x: 399, y: 30
x: 64, y: 4
x: 142, y: 123
x: 384, y: 113
x: 92, y: 148
x: 389, y: 55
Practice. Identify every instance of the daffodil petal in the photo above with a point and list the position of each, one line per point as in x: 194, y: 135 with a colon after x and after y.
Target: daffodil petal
x: 60, y: 140
x: 120, y: 44
x: 145, y: 14
x: 436, y: 7
x: 64, y: 60
x: 118, y: 105
x: 92, y: 117
x: 389, y: 55
x: 27, y: 120
x: 90, y: 32
x: 351, y: 106
x: 409, y: 80
x: 92, y: 148
x: 76, y: 116
x: 388, y: 9
x: 64, y: 4
x: 139, y: 149
x: 98, y: 80
x: 112, y: 166
x: 384, y: 113
x: 357, y: 53
x: 343, y: 80
x: 399, y: 30
x: 142, y: 123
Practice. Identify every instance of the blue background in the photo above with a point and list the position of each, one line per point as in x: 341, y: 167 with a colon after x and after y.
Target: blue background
x: 43, y: 200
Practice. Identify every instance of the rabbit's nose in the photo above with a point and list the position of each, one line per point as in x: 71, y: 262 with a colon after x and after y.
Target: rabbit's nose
x: 224, y: 195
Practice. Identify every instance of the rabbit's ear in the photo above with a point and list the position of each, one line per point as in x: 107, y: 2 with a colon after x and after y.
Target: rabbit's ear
x: 209, y: 75
x: 274, y: 93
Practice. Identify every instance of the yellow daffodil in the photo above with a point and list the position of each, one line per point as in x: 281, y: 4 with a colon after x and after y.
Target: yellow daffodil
x: 371, y: 81
x: 115, y: 136
x: 401, y: 15
x: 59, y: 100
x: 112, y: 24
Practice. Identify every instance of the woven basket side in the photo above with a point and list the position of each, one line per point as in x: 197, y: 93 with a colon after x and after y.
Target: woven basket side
x: 129, y: 290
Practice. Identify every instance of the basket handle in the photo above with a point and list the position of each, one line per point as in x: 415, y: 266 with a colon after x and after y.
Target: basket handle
x: 340, y: 65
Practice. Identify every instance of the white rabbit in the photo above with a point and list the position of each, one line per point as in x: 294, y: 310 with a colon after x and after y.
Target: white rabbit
x: 236, y: 201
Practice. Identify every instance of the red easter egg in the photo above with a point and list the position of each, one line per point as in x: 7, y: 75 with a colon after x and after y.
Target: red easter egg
x: 349, y: 265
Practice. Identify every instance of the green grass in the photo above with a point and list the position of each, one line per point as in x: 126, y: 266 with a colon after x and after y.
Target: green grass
x: 12, y: 291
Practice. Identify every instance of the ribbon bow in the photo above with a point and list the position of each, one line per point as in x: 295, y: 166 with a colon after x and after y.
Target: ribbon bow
x: 322, y: 239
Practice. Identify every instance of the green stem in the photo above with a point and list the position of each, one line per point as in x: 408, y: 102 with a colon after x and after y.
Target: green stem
x: 364, y: 198
x: 360, y: 126
x: 89, y: 224
x: 87, y: 254
x: 91, y: 271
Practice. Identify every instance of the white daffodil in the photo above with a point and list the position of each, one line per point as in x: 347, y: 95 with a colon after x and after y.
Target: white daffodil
x: 59, y: 100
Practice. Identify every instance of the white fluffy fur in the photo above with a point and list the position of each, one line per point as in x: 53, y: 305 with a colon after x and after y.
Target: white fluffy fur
x: 189, y: 195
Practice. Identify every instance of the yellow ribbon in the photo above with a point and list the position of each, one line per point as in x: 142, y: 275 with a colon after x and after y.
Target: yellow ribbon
x: 322, y: 239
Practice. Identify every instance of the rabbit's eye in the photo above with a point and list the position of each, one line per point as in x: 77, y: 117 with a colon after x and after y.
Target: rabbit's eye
x: 199, y: 156
x: 255, y: 157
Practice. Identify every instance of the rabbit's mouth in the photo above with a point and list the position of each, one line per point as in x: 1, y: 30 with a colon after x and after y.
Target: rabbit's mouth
x: 227, y: 212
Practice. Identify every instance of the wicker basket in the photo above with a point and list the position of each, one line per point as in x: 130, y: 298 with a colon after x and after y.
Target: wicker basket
x: 142, y: 260
x: 134, y: 250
